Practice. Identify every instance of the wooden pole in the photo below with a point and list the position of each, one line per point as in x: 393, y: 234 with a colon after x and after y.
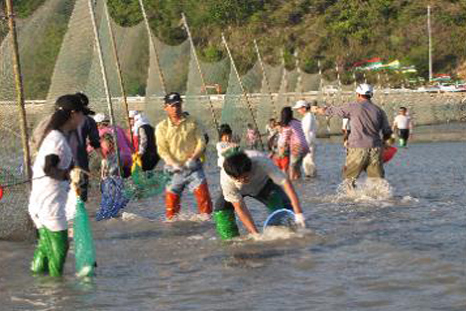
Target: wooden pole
x: 19, y: 89
x: 266, y: 80
x: 212, y: 111
x: 105, y: 80
x: 151, y: 40
x: 251, y: 111
x: 119, y: 74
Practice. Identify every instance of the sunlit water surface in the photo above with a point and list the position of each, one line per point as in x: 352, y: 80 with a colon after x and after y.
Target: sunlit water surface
x: 396, y: 247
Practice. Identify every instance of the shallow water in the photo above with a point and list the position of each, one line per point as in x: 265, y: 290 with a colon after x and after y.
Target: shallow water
x: 396, y: 248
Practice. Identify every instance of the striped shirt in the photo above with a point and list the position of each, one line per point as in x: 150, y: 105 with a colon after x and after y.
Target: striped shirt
x: 293, y: 137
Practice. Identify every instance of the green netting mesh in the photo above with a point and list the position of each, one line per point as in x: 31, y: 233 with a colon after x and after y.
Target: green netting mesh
x: 174, y: 65
x: 83, y: 242
x: 133, y: 51
x: 145, y: 184
x: 235, y: 110
x: 32, y: 33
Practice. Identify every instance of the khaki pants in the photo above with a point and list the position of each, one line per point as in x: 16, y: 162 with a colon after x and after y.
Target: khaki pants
x: 364, y: 159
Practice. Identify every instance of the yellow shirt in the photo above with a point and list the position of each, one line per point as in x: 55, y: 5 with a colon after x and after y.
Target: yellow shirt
x: 177, y: 143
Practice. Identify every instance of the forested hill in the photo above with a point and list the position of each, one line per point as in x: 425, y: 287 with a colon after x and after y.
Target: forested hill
x: 332, y: 31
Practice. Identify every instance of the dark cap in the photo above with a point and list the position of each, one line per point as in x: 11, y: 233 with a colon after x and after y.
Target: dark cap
x: 72, y: 102
x: 172, y: 98
x: 83, y: 98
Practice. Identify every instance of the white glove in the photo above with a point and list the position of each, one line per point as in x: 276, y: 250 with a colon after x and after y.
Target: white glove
x: 300, y: 220
x: 190, y: 164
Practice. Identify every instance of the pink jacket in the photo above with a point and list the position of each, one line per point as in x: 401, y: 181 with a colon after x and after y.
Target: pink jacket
x: 123, y: 144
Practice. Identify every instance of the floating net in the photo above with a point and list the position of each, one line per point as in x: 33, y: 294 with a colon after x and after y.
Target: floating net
x: 83, y: 242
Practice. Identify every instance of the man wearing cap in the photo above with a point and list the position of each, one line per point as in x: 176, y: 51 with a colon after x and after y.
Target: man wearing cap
x: 309, y: 125
x: 365, y: 142
x: 180, y: 144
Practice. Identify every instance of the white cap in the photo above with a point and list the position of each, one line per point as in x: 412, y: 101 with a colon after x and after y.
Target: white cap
x: 301, y: 104
x: 100, y: 117
x: 133, y: 113
x: 365, y: 89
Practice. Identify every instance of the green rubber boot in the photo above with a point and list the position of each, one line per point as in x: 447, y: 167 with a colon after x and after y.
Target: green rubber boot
x: 226, y: 224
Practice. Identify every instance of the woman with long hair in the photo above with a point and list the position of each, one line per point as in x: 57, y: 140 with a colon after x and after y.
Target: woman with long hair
x: 292, y: 139
x: 50, y: 186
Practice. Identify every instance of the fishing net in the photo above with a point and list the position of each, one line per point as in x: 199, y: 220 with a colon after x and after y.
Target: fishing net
x: 168, y: 72
x: 238, y: 107
x: 35, y: 54
x: 113, y: 198
x: 145, y: 184
x: 83, y: 242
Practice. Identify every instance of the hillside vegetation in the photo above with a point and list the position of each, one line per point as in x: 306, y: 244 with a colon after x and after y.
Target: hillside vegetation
x: 335, y: 32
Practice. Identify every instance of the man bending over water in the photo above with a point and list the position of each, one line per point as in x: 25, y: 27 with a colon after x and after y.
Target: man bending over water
x: 251, y: 174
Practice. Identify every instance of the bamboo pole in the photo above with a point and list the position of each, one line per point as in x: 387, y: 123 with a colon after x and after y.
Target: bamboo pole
x: 151, y: 40
x: 299, y: 83
x: 19, y: 89
x: 212, y: 111
x: 266, y: 80
x: 119, y: 74
x: 105, y: 80
x: 242, y: 88
x: 284, y: 82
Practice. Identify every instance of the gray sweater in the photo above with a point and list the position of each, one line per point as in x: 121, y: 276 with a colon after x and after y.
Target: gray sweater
x: 367, y: 122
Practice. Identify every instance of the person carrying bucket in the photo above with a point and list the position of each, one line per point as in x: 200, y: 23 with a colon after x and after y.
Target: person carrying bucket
x: 248, y: 173
x: 180, y: 143
x: 50, y: 186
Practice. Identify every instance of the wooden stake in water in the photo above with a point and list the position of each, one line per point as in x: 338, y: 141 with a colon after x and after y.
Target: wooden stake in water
x: 243, y: 91
x: 19, y: 89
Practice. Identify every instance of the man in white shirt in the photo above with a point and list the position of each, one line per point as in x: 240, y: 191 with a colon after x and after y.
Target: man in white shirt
x: 404, y: 125
x: 250, y: 174
x: 309, y: 125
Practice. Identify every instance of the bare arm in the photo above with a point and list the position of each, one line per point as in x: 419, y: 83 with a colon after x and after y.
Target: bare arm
x: 289, y: 190
x: 243, y: 214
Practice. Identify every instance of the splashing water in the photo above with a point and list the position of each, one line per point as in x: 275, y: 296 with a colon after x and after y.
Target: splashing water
x: 369, y: 190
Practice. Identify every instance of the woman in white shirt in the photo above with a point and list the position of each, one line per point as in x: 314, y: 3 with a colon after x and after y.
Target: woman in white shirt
x: 50, y: 186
